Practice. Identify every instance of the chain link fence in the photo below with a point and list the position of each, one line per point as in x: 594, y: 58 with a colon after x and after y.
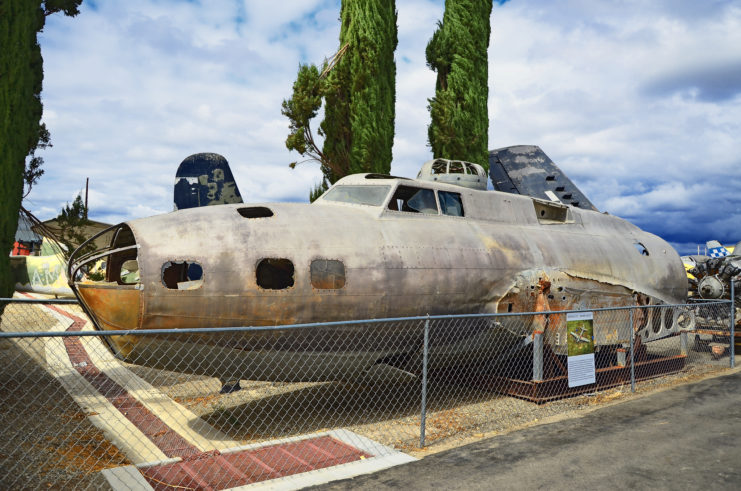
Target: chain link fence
x: 221, y: 408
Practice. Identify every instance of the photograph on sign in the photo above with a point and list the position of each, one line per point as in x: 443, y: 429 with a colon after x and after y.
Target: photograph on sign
x: 580, y: 335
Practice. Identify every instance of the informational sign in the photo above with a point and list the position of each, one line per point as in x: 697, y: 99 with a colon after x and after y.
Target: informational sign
x: 580, y: 334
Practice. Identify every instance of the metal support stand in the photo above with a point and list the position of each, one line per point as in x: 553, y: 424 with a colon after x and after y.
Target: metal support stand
x: 424, y: 385
x: 621, y: 356
x: 733, y: 325
x: 632, y: 355
x: 538, y: 356
x: 683, y: 343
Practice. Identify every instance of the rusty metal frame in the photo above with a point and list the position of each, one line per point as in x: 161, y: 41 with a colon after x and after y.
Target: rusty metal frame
x: 557, y: 387
x: 75, y: 267
x: 71, y: 261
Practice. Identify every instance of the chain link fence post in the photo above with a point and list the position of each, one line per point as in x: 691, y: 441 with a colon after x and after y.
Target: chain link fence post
x: 683, y: 343
x: 733, y: 326
x: 424, y: 384
x: 632, y: 354
x: 538, y: 356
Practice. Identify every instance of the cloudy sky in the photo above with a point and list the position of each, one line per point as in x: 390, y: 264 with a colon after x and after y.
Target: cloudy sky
x: 638, y: 102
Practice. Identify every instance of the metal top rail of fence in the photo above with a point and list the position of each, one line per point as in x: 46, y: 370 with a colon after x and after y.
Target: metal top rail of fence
x: 228, y: 329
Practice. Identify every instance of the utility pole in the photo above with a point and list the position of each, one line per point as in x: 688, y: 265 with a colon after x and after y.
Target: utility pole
x: 87, y: 183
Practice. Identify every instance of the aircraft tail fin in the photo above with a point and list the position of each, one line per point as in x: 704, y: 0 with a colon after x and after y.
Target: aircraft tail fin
x: 204, y: 179
x: 715, y: 249
x: 527, y: 170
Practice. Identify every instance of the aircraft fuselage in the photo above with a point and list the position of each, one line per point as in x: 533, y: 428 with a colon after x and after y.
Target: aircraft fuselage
x: 376, y: 248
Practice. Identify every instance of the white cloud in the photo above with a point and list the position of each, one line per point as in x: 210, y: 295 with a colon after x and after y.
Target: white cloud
x: 637, y: 102
x: 629, y: 99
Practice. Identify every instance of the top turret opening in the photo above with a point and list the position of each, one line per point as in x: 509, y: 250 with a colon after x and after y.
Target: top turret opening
x: 466, y: 174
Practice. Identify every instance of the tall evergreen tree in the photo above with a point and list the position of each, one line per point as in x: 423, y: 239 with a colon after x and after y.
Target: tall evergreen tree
x: 71, y: 222
x: 358, y: 90
x: 458, y: 53
x: 21, y: 133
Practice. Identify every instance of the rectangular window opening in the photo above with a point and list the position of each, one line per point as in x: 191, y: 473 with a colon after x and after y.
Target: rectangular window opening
x: 551, y: 212
x: 274, y: 273
x: 451, y: 203
x: 414, y: 200
x: 327, y: 274
x: 182, y: 275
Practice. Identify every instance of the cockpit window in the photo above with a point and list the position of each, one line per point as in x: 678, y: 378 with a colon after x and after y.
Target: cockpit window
x: 450, y: 203
x: 359, y: 195
x: 471, y: 169
x: 414, y: 200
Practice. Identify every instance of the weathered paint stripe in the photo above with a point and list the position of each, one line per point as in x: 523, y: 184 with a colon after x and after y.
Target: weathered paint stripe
x: 254, y: 465
x: 169, y: 441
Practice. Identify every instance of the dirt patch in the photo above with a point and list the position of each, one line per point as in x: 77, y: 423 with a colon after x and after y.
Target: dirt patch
x: 47, y: 440
x: 390, y: 413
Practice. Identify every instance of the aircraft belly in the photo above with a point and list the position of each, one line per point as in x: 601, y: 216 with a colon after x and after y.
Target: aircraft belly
x: 336, y: 352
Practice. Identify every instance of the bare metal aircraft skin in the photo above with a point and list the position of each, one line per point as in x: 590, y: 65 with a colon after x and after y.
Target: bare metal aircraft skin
x: 372, y: 247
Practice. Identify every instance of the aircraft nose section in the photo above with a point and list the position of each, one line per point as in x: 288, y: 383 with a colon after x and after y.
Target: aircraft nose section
x: 104, y: 275
x: 113, y: 308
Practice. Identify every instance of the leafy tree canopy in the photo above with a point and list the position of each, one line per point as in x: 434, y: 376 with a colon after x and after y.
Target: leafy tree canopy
x: 457, y: 51
x: 357, y: 88
x: 71, y: 222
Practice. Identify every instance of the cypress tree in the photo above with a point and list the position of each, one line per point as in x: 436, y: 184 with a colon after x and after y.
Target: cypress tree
x: 458, y: 53
x: 358, y: 90
x: 21, y: 75
x: 20, y: 106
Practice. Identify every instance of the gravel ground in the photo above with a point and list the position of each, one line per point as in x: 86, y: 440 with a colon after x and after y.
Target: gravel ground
x: 390, y: 413
x: 49, y: 442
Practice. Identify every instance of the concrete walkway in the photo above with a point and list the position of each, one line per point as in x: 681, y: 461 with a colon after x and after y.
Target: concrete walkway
x: 687, y: 437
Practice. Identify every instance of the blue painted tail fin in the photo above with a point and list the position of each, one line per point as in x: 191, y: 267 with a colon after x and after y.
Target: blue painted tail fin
x: 715, y: 249
x: 205, y: 179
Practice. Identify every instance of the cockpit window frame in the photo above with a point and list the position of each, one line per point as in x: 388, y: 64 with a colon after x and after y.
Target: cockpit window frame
x: 393, y: 194
x: 443, y: 212
x: 388, y: 187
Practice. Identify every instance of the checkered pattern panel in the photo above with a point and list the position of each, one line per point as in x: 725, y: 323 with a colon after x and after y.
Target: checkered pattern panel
x: 717, y: 252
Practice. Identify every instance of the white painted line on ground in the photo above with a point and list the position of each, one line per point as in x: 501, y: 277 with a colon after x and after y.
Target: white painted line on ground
x: 126, y: 478
x: 365, y: 444
x: 101, y: 413
x: 329, y: 474
x: 383, y: 457
x: 183, y: 421
x: 142, y: 452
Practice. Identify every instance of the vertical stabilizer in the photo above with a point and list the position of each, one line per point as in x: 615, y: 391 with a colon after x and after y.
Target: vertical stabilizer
x: 205, y: 179
x: 526, y: 169
x: 715, y: 249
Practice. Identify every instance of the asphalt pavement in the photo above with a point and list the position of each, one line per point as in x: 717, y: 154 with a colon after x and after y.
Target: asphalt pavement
x: 687, y: 437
